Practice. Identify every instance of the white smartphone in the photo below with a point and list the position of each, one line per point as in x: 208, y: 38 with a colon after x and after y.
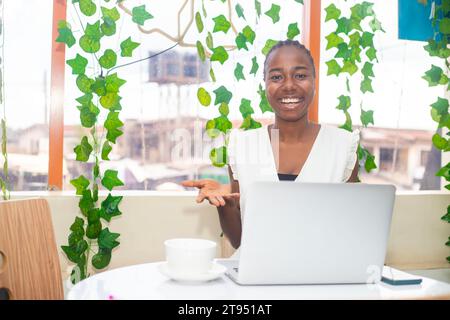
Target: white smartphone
x: 396, y: 277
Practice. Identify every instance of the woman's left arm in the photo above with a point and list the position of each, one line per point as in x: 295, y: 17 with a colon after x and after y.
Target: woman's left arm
x: 354, y: 176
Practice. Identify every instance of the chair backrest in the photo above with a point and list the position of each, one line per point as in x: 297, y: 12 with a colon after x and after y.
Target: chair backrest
x: 30, y: 267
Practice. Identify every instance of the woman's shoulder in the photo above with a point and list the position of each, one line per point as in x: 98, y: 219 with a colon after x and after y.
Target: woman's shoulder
x: 339, y: 133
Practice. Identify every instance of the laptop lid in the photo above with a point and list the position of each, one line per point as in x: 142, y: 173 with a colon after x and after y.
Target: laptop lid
x: 314, y: 233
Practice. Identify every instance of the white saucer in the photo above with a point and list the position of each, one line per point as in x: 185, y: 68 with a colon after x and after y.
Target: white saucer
x: 215, y: 272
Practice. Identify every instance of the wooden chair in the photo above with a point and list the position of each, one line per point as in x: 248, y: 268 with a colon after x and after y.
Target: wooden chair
x: 30, y: 267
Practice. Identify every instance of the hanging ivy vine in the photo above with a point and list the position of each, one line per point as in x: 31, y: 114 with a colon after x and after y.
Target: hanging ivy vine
x: 100, y: 99
x: 436, y: 76
x: 354, y: 58
x: 211, y: 50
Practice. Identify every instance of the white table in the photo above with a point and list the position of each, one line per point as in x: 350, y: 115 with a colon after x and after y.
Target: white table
x: 146, y: 282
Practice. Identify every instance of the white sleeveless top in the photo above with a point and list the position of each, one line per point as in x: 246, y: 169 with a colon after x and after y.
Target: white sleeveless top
x: 332, y: 158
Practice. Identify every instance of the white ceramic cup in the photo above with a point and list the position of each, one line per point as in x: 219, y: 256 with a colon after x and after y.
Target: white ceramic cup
x: 189, y: 256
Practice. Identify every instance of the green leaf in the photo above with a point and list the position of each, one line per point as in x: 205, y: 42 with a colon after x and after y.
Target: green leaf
x: 333, y: 41
x: 112, y: 124
x: 439, y: 142
x: 444, y: 26
x: 211, y: 129
x: 199, y: 22
x: 344, y: 103
x: 222, y: 95
x: 83, y: 150
x: 444, y: 172
x: 366, y: 85
x: 219, y: 54
x: 101, y: 259
x: 333, y: 13
x: 274, y: 13
x: 369, y: 164
x: 333, y: 67
x: 99, y: 86
x: 203, y: 97
x: 221, y: 24
x: 250, y: 123
x: 86, y: 202
x: 371, y: 53
x: 110, y: 180
x: 107, y: 239
x: 201, y: 51
x: 255, y: 66
x: 245, y: 108
x: 77, y: 225
x: 93, y: 31
x: 258, y: 8
x: 293, y: 31
x: 65, y: 34
x: 93, y: 230
x: 78, y: 64
x: 241, y: 41
x: 88, y: 114
x: 269, y: 44
x: 108, y: 59
x: 140, y: 15
x: 212, y: 75
x: 222, y: 124
x: 218, y: 156
x: 87, y: 7
x: 249, y: 34
x: 348, y: 122
x: 433, y: 76
x: 110, y: 207
x: 441, y: 106
x: 80, y: 184
x: 355, y: 38
x: 367, y: 70
x: 108, y: 27
x: 349, y: 67
x: 263, y: 103
x: 106, y: 149
x: 71, y: 254
x: 209, y: 41
x: 127, y: 46
x: 366, y: 117
x: 89, y: 45
x: 239, y: 11
x: 299, y: 1
x: 224, y: 110
x: 93, y: 216
x: 113, y: 83
x: 343, y: 25
x: 112, y: 14
x: 375, y: 25
x: 367, y: 39
x: 362, y: 10
x: 238, y: 72
x: 109, y: 100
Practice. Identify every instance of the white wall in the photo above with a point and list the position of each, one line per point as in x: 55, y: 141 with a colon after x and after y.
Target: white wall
x: 417, y: 234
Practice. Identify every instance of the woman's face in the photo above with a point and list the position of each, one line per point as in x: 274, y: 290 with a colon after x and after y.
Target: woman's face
x: 290, y: 83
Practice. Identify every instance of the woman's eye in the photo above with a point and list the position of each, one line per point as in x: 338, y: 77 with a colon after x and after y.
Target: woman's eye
x: 275, y: 77
x: 300, y: 76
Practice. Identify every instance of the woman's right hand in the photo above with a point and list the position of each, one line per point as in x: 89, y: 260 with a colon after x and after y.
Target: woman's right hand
x: 217, y: 194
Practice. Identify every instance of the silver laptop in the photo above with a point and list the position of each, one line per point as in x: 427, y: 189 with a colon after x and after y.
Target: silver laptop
x: 314, y: 233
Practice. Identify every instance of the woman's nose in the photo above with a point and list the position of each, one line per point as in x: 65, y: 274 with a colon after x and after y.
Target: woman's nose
x: 288, y: 84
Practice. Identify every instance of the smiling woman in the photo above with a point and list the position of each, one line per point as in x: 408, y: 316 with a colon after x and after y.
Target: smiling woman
x: 292, y: 148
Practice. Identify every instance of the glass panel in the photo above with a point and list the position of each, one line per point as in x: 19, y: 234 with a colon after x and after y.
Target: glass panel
x: 401, y: 136
x: 26, y: 54
x: 164, y: 140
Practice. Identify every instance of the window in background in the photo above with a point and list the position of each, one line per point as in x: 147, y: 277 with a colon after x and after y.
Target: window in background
x: 401, y: 136
x: 27, y: 53
x: 164, y: 140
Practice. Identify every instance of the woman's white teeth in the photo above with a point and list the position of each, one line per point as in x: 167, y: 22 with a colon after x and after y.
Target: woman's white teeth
x: 290, y: 100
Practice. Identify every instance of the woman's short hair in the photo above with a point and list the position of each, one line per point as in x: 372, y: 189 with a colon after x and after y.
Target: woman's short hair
x: 293, y: 43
